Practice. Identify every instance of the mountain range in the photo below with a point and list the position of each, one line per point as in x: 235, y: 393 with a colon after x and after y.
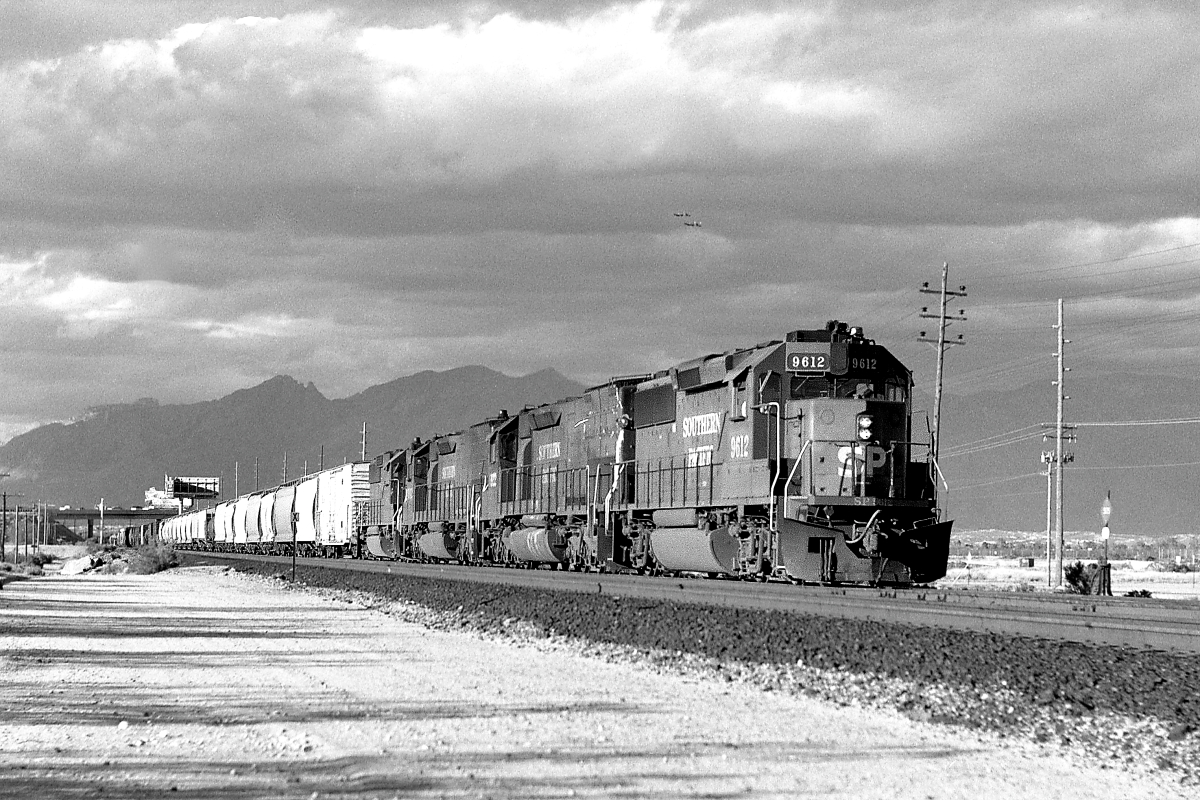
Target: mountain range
x: 117, y: 452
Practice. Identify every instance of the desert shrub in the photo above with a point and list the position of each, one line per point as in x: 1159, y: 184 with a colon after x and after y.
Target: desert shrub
x: 152, y: 558
x: 1079, y: 577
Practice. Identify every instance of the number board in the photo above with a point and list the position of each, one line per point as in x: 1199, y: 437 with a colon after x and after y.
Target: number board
x: 806, y: 357
x: 866, y: 360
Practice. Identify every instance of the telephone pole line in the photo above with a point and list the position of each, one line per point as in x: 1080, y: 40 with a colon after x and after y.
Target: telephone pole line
x: 942, y: 344
x: 1062, y: 433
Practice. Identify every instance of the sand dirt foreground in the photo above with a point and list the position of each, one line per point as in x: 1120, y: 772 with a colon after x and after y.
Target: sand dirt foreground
x: 200, y: 683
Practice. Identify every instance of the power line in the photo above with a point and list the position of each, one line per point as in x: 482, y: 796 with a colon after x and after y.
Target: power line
x: 1000, y: 480
x: 1127, y: 422
x: 1141, y: 466
x: 1074, y: 266
x: 996, y: 436
x: 971, y: 451
x: 1128, y: 271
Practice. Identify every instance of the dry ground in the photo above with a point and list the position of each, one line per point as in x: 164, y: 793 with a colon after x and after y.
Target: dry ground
x: 207, y: 684
x: 990, y: 572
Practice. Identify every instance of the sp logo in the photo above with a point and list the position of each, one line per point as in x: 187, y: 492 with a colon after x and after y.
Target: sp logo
x: 860, y: 459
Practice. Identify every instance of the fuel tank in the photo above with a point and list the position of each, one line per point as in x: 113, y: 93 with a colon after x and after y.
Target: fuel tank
x: 693, y: 550
x: 438, y: 542
x: 374, y: 547
x: 535, y: 544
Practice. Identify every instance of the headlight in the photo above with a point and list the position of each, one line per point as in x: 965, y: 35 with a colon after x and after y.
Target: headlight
x: 864, y: 428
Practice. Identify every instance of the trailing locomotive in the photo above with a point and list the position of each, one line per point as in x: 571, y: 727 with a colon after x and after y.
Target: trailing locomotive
x: 791, y: 459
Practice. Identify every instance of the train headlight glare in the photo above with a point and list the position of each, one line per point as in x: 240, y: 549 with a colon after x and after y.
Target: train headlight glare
x: 864, y: 428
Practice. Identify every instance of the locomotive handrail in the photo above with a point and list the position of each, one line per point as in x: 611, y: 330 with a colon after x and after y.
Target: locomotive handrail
x: 542, y: 489
x: 791, y: 475
x: 666, y: 485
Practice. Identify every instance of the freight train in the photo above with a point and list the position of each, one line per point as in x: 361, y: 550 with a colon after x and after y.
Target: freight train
x: 792, y: 459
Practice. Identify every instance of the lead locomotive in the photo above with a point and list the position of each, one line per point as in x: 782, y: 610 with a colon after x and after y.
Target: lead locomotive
x: 791, y: 459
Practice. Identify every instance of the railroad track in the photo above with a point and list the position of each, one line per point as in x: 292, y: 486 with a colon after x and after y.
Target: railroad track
x: 1125, y: 622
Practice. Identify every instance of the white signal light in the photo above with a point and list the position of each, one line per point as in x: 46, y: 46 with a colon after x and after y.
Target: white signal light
x: 864, y: 428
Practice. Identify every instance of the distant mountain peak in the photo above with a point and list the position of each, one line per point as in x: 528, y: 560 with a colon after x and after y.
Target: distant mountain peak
x: 280, y: 386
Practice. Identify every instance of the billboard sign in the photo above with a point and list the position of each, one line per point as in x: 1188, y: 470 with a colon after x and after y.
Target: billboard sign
x: 192, y: 487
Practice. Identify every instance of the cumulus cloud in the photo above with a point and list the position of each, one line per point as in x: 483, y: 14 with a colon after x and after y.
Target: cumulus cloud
x: 196, y: 197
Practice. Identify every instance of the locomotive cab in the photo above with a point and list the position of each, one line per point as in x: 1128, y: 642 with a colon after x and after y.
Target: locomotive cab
x: 859, y: 504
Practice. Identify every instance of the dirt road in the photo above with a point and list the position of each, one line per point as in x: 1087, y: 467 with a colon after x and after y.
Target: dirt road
x: 205, y: 684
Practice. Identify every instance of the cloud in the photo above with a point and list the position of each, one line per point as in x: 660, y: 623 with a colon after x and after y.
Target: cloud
x: 195, y: 198
x: 366, y: 130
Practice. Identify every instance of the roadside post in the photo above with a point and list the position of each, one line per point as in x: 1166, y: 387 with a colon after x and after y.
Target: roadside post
x: 1105, y: 572
x: 1105, y: 513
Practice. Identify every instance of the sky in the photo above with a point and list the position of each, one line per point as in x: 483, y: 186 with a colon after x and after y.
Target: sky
x: 196, y: 196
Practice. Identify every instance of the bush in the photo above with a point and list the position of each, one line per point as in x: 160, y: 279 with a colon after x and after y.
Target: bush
x: 1138, y: 593
x: 1079, y: 577
x: 41, y: 558
x: 153, y: 558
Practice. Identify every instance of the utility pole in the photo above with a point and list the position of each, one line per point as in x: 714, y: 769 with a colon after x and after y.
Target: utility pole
x: 256, y: 473
x: 1062, y: 433
x: 235, y: 481
x: 4, y: 524
x: 364, y: 442
x: 1048, y: 460
x: 942, y: 344
x: 284, y: 467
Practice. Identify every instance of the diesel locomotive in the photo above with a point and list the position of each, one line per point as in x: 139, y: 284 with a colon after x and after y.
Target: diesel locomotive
x: 792, y: 459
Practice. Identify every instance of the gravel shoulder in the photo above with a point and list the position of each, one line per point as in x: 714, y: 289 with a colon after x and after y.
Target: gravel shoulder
x: 206, y: 683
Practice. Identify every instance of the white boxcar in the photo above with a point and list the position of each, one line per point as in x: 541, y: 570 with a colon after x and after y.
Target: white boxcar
x: 240, y: 506
x: 195, y: 534
x: 337, y: 491
x: 167, y: 531
x: 223, y: 522
x: 284, y: 523
x: 266, y: 527
x: 253, y: 506
x: 305, y: 510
